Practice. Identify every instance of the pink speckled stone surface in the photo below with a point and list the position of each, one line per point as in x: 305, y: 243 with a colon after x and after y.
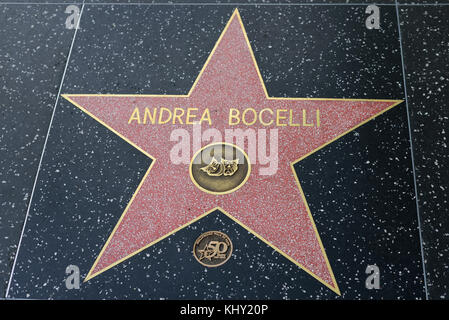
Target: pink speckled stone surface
x: 271, y: 206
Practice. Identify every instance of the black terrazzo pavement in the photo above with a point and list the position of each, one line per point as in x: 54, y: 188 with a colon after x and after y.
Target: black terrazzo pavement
x: 426, y: 48
x: 33, y: 52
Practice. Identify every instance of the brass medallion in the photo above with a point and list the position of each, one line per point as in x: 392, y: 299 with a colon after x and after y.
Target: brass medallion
x: 219, y: 168
x: 212, y: 248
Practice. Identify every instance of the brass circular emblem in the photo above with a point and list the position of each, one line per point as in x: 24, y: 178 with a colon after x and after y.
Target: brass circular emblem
x: 219, y: 168
x: 212, y: 248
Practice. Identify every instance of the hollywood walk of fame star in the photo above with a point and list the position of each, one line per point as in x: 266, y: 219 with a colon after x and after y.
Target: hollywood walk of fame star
x: 273, y: 208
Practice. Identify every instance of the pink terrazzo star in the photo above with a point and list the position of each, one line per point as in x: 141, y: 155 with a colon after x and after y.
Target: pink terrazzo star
x: 272, y: 207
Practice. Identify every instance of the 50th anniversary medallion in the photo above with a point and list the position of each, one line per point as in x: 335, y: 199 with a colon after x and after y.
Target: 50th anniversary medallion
x: 212, y: 248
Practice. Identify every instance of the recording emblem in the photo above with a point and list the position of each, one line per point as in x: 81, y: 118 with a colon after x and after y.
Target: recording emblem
x: 212, y: 249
